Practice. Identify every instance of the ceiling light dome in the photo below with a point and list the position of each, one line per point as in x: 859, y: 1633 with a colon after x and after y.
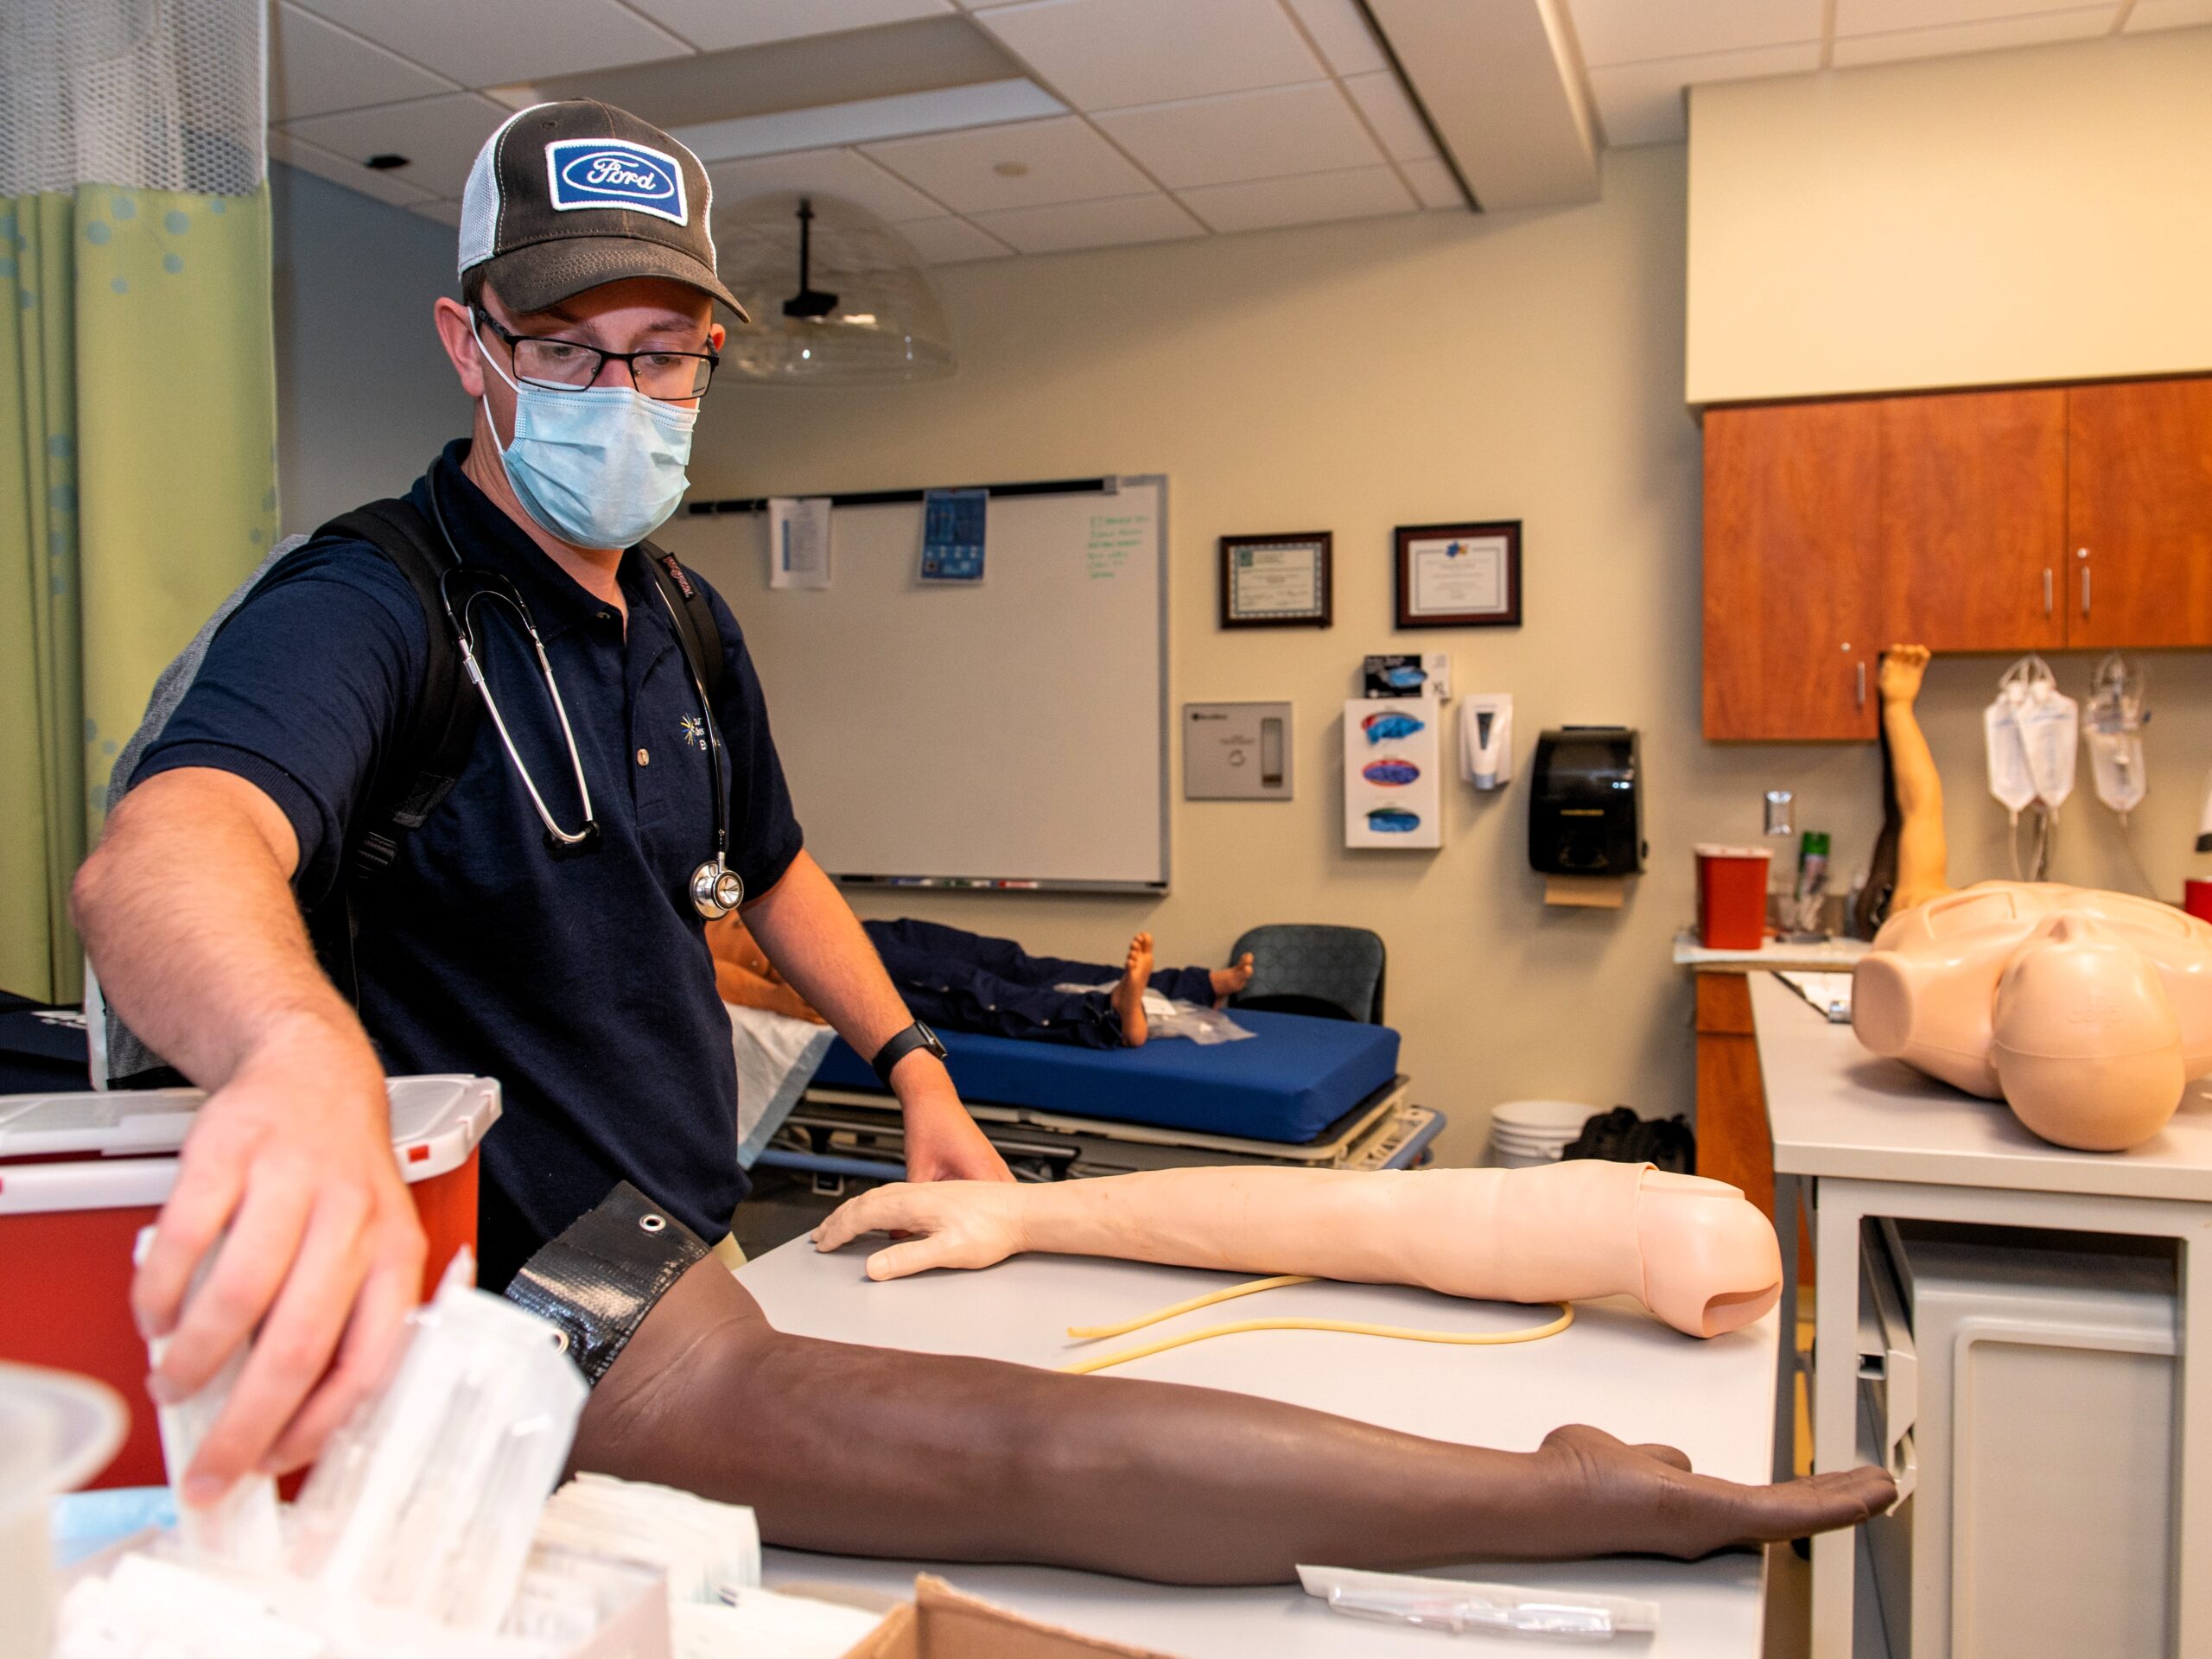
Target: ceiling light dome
x: 836, y: 296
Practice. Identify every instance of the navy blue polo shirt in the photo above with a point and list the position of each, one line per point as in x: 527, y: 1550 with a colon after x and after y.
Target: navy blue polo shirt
x: 583, y: 984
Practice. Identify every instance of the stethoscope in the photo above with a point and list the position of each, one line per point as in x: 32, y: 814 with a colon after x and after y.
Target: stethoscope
x: 715, y: 888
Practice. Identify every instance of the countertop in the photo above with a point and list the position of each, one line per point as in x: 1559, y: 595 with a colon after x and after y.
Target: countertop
x: 1615, y: 1367
x: 1833, y: 956
x: 1837, y: 1111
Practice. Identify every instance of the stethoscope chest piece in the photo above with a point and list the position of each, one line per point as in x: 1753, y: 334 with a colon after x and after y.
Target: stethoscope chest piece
x: 716, y: 889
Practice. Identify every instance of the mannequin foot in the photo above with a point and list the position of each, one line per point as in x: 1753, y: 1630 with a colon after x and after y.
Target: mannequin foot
x: 1228, y: 982
x: 1129, y: 995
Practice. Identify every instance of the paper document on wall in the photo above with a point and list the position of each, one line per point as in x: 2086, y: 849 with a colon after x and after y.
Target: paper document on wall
x: 798, y: 541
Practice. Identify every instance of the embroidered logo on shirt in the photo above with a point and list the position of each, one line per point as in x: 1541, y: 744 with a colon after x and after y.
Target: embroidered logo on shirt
x: 695, y: 731
x: 600, y: 173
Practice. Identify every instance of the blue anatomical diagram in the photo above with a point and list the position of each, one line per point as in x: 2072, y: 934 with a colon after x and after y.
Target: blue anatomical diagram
x: 1393, y: 821
x: 1390, y: 772
x: 1383, y: 728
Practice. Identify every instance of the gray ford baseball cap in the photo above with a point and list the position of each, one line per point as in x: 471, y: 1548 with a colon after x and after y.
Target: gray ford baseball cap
x: 566, y: 196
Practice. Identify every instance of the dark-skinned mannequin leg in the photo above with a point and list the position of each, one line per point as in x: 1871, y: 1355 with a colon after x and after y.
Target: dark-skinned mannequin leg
x: 879, y: 1451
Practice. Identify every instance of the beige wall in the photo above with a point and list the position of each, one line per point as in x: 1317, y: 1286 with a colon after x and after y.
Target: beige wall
x: 1357, y: 376
x: 2038, y: 214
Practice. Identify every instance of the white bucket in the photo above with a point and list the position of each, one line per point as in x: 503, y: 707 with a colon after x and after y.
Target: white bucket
x: 57, y: 1430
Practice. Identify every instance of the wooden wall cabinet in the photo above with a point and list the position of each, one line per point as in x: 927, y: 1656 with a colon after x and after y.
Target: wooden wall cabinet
x: 2037, y: 519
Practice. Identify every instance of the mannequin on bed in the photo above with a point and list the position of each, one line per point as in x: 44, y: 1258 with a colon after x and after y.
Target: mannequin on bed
x: 878, y: 1452
x: 959, y: 981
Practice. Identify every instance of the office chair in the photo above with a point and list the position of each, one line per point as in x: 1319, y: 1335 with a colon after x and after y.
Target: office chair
x: 1309, y: 968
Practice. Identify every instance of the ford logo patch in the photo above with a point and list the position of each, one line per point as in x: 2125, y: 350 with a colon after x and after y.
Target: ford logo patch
x: 602, y: 172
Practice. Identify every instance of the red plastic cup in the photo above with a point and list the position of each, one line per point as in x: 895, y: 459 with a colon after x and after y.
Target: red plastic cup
x: 2196, y: 899
x: 1732, y: 897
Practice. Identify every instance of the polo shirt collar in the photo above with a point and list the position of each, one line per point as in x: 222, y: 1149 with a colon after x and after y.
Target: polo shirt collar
x: 486, y: 536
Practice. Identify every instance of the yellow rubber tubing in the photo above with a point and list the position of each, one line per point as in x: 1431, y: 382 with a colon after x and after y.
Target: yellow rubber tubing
x: 1467, y: 1340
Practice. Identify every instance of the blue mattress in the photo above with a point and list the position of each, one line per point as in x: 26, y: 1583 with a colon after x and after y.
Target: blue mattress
x: 1288, y: 1082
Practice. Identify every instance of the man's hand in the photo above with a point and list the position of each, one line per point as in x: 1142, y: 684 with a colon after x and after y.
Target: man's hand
x: 943, y: 1143
x: 958, y: 1223
x: 324, y: 1254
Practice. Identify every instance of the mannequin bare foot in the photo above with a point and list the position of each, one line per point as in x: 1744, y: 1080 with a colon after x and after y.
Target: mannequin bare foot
x: 1129, y: 995
x: 1227, y: 981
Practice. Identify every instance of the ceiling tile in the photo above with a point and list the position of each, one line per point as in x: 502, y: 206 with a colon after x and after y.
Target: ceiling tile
x: 714, y: 25
x: 951, y: 241
x: 1635, y: 31
x: 1391, y: 113
x: 1308, y: 129
x: 1895, y: 16
x: 1432, y: 183
x: 1642, y: 103
x: 440, y: 136
x: 297, y: 152
x: 1151, y: 218
x: 446, y: 213
x: 490, y: 42
x: 1023, y: 165
x: 1972, y: 37
x: 844, y: 173
x: 1342, y: 34
x: 315, y: 67
x: 2169, y: 14
x: 1103, y: 55
x: 1359, y: 193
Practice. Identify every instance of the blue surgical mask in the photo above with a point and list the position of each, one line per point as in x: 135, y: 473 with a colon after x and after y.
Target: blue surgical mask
x: 600, y: 468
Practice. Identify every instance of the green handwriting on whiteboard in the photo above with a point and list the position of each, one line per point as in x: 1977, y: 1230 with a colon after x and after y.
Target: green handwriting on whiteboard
x: 1113, y: 538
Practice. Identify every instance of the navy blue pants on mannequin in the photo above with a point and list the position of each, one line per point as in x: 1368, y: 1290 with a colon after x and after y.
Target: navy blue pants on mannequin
x: 965, y: 981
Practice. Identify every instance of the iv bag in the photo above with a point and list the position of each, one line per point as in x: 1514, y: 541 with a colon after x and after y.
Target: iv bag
x: 2010, y: 780
x: 2116, y: 764
x: 2050, y: 731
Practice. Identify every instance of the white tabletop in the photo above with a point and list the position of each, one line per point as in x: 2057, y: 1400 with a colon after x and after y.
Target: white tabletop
x: 1615, y: 1367
x: 1821, y: 955
x: 1837, y: 1111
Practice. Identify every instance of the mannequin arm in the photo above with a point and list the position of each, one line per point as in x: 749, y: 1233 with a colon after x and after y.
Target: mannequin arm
x: 1922, y: 859
x: 874, y: 1452
x: 1694, y: 1251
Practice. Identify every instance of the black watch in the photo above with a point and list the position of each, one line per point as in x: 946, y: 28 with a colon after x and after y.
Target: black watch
x: 917, y: 1036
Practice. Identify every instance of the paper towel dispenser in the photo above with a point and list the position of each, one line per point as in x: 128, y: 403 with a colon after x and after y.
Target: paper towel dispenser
x: 1585, y: 802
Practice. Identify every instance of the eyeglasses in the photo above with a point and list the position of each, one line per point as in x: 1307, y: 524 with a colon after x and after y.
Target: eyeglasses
x: 570, y: 365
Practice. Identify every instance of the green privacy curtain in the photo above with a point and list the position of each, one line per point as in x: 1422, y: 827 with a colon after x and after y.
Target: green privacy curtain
x: 137, y: 402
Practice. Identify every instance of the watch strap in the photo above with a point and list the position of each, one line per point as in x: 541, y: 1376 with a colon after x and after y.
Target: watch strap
x: 917, y: 1036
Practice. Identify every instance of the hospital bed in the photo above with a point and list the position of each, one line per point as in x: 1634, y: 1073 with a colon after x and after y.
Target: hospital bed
x: 1323, y: 1093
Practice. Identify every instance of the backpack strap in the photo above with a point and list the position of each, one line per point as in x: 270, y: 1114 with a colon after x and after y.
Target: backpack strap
x: 442, y: 726
x: 696, y: 630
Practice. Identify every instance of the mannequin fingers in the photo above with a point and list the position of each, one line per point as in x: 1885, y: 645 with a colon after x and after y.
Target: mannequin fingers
x: 915, y: 1255
x: 1795, y: 1509
x: 879, y: 1210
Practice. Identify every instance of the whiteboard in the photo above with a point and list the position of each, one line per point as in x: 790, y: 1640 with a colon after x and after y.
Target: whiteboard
x: 1010, y: 733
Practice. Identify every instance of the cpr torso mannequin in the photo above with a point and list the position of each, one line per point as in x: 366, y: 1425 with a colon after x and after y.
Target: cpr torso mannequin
x: 1692, y: 1251
x: 2089, y: 1012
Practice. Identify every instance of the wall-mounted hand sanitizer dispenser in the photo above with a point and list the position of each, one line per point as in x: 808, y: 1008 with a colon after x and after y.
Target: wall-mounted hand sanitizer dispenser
x: 1486, y: 738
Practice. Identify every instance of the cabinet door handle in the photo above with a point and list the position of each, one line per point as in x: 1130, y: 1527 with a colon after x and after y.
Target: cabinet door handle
x: 2085, y: 590
x: 1862, y: 678
x: 2046, y: 590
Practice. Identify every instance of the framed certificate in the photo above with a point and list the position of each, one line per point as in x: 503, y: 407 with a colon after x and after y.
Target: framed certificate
x: 1275, y: 581
x: 1459, y: 575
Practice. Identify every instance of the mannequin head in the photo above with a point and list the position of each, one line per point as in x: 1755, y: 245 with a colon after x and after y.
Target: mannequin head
x: 2087, y: 1013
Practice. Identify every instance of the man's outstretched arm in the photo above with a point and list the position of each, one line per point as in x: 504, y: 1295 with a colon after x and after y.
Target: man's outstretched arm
x: 186, y: 910
x: 874, y: 1452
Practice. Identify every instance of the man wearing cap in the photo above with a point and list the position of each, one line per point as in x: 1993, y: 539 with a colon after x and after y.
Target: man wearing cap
x: 518, y: 933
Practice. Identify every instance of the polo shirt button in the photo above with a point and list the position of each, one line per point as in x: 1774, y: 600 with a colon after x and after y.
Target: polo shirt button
x: 645, y: 757
x: 607, y: 616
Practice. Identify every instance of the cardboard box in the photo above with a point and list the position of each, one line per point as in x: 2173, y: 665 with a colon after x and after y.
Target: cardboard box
x: 941, y: 1623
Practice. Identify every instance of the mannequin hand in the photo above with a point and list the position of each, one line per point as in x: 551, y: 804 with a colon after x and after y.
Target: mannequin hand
x: 1898, y: 680
x: 943, y: 1143
x: 957, y: 1224
x: 1646, y: 1499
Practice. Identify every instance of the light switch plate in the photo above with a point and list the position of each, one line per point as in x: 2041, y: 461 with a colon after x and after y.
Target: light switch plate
x: 1236, y: 752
